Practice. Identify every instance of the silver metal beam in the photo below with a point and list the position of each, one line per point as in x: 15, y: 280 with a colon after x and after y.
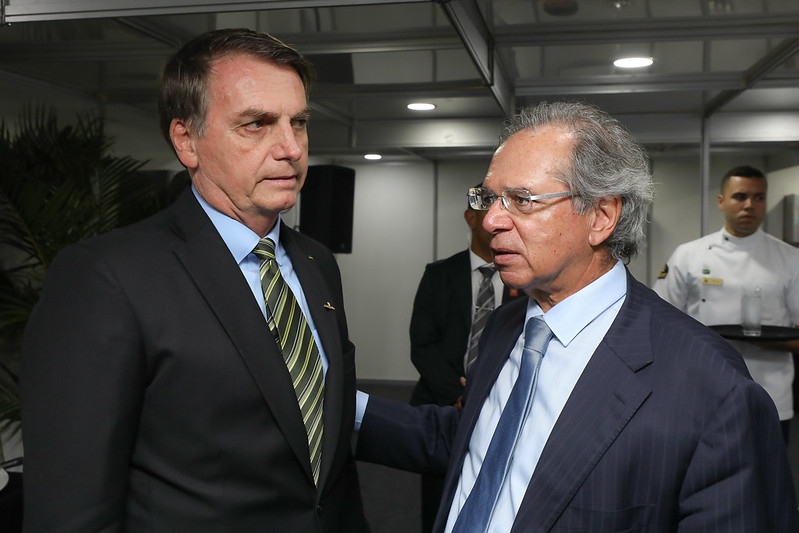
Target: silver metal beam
x: 755, y: 74
x: 307, y: 43
x: 169, y: 34
x: 529, y: 88
x: 345, y: 43
x: 38, y: 10
x: 328, y: 93
x: 648, y: 30
x: 467, y: 20
x: 442, y: 38
x: 431, y: 135
x: 451, y: 89
x: 642, y: 83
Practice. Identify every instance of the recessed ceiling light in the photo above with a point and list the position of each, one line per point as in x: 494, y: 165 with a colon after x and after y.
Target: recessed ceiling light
x: 618, y: 4
x: 633, y: 62
x: 373, y: 157
x: 421, y: 106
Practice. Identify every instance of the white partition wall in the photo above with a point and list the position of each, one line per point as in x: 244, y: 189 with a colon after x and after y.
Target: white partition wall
x: 406, y: 215
x: 391, y: 243
x: 454, y: 179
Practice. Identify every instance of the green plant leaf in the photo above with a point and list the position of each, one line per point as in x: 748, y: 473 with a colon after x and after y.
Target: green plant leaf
x: 59, y: 184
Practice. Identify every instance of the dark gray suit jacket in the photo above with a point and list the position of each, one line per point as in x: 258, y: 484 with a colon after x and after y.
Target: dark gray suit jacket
x: 440, y: 327
x: 155, y: 399
x: 664, y: 430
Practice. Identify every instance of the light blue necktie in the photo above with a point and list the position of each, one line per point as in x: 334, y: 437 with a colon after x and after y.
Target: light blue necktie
x: 475, y: 515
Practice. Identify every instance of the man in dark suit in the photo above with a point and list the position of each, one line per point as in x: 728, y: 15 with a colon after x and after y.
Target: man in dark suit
x: 443, y: 314
x: 445, y: 329
x: 594, y: 405
x: 157, y: 386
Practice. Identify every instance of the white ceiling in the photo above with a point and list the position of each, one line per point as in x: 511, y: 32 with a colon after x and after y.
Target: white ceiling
x: 730, y: 65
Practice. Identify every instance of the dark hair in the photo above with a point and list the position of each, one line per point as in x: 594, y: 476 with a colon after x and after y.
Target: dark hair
x: 607, y: 162
x: 743, y: 171
x: 183, y: 91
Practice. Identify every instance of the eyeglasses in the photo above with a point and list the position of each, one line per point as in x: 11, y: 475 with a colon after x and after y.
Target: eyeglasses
x: 518, y: 201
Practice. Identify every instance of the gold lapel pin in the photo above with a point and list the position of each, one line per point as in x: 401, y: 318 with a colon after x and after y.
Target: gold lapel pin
x: 328, y: 306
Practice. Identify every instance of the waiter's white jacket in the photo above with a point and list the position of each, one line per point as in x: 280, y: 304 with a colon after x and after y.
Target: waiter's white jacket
x: 706, y: 277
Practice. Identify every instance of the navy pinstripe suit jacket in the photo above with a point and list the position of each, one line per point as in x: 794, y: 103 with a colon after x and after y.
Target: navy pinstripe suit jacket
x: 664, y: 431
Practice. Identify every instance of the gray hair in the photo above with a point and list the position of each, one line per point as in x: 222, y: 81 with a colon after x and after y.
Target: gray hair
x: 607, y: 163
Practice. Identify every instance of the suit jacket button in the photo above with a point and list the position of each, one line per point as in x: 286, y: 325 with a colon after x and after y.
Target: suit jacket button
x: 319, y: 509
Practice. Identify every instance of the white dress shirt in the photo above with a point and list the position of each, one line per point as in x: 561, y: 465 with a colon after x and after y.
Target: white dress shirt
x: 477, y: 279
x: 579, y: 323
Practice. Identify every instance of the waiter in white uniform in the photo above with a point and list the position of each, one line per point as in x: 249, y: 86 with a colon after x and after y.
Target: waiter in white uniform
x: 706, y: 278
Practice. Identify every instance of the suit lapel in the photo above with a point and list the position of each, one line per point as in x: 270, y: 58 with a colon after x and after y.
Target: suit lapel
x: 218, y: 278
x: 462, y: 281
x: 605, y: 398
x: 320, y: 300
x: 505, y: 326
x: 505, y: 329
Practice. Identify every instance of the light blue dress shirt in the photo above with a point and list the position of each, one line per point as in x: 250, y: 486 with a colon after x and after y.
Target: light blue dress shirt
x: 241, y: 241
x: 579, y: 323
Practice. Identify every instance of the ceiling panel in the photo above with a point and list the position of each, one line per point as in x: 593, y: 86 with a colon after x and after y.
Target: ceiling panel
x: 475, y: 60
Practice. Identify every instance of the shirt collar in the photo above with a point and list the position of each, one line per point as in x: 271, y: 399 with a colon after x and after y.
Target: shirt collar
x: 567, y: 318
x: 239, y: 239
x: 727, y: 237
x: 476, y: 261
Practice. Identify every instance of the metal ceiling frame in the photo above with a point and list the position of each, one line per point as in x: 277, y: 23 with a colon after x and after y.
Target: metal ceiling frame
x: 172, y: 35
x: 468, y: 30
x: 755, y: 74
x: 733, y: 27
x: 168, y: 34
x: 722, y: 81
x: 472, y: 32
x: 517, y: 35
x: 640, y: 83
x: 40, y: 10
x: 464, y: 15
x: 468, y: 21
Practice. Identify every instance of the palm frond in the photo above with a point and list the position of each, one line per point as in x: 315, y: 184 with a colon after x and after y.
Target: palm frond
x: 58, y: 185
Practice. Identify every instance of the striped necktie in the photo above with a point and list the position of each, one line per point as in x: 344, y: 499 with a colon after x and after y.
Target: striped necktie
x: 293, y: 335
x: 483, y: 306
x: 478, y: 509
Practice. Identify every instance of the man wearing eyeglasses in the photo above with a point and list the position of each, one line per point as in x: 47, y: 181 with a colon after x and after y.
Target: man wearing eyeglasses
x: 454, y: 299
x: 594, y: 404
